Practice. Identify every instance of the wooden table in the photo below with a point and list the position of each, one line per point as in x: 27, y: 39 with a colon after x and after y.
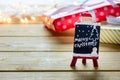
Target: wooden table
x: 31, y: 52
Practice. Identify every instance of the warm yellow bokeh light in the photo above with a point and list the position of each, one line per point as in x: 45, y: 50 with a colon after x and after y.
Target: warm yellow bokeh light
x: 33, y: 18
x: 9, y: 20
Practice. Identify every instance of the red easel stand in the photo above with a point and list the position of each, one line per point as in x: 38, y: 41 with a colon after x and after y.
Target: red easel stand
x: 74, y: 60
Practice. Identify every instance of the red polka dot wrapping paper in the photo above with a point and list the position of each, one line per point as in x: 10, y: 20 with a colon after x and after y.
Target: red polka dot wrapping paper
x: 66, y: 20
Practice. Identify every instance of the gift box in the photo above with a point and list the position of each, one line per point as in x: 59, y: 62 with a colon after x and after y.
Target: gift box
x: 110, y: 33
x: 65, y: 18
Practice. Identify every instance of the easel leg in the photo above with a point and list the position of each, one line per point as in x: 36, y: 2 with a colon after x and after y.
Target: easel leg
x: 84, y: 61
x: 73, y: 61
x: 95, y: 63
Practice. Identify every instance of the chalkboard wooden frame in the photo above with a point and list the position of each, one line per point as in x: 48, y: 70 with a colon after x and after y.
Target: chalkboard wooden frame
x: 86, y: 42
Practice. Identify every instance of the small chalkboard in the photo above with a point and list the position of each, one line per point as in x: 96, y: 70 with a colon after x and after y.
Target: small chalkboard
x: 86, y: 39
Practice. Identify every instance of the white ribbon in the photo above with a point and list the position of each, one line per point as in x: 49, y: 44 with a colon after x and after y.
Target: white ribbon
x: 73, y: 7
x: 112, y: 3
x: 113, y: 20
x: 70, y: 8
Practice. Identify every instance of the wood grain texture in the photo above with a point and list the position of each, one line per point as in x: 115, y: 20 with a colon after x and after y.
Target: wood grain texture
x: 30, y: 30
x: 31, y: 52
x: 40, y: 30
x: 109, y: 34
x: 60, y: 76
x: 55, y: 61
x: 44, y: 44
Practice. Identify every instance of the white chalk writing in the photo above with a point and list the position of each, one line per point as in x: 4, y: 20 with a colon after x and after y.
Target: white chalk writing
x: 82, y: 44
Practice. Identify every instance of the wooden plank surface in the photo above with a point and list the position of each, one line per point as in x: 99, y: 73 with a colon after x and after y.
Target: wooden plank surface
x: 54, y: 61
x: 30, y: 30
x: 31, y: 52
x: 60, y: 76
x: 41, y: 30
x: 44, y: 44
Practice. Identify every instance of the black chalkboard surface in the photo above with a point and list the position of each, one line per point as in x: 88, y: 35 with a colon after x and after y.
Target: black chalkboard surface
x: 86, y: 39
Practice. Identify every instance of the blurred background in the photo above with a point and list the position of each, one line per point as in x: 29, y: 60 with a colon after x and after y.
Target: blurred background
x: 35, y: 7
x: 15, y: 11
